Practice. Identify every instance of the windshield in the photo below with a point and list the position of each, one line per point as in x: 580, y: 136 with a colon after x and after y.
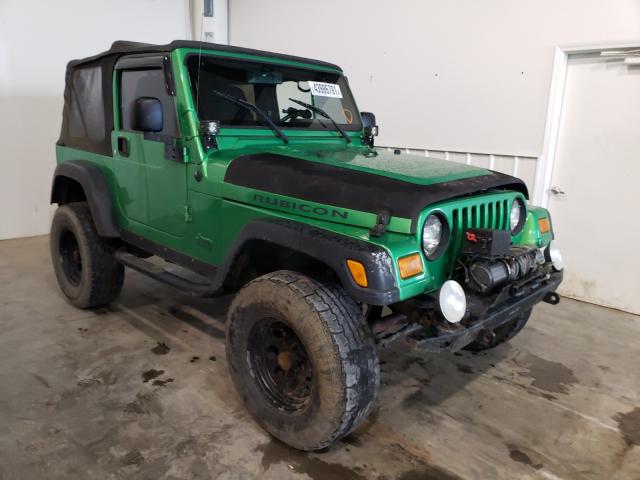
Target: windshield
x: 273, y: 89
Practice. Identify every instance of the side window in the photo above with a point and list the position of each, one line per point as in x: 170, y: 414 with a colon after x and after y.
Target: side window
x: 146, y: 83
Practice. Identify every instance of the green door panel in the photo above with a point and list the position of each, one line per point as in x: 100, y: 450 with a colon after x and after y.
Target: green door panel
x: 153, y: 188
x: 204, y: 233
x: 166, y: 190
x: 131, y: 182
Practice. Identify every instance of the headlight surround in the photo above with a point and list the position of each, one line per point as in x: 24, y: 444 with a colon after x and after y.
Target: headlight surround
x: 435, y: 236
x: 517, y: 216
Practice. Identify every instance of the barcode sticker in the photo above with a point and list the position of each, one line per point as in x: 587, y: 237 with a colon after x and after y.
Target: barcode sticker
x: 321, y: 89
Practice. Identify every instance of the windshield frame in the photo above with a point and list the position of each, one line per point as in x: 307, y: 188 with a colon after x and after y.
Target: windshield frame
x: 239, y: 59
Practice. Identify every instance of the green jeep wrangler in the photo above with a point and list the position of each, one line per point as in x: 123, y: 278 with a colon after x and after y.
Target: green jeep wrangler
x: 255, y: 172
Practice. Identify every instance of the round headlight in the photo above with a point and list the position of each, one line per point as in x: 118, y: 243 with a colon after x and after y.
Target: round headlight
x: 517, y: 216
x: 434, y: 236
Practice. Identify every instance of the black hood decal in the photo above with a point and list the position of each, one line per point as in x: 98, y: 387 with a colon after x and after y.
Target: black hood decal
x: 353, y: 189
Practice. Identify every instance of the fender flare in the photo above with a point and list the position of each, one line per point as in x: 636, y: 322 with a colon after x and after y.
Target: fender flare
x: 327, y: 247
x: 95, y: 189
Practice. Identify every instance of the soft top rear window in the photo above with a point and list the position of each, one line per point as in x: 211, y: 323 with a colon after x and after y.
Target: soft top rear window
x: 87, y: 118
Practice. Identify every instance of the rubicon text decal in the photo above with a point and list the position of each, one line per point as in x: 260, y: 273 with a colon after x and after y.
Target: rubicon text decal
x: 302, y: 207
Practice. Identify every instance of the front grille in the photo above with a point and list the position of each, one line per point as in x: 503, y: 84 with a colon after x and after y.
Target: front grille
x: 490, y: 214
x: 493, y: 214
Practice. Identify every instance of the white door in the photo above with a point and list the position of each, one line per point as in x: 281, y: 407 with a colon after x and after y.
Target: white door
x: 597, y: 166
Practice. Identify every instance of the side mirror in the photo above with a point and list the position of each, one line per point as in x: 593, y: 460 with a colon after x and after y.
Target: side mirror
x: 147, y: 115
x: 370, y: 127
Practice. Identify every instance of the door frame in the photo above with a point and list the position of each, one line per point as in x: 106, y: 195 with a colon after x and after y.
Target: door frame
x: 546, y: 160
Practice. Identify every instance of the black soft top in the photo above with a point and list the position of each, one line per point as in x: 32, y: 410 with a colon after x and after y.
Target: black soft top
x: 121, y: 47
x: 87, y: 117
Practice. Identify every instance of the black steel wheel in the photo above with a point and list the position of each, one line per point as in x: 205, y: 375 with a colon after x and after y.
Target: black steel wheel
x: 281, y: 365
x: 83, y: 262
x: 69, y: 256
x: 302, y: 358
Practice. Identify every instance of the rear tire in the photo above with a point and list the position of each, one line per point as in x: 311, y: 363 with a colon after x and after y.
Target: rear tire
x: 302, y: 358
x: 83, y: 262
x: 502, y: 334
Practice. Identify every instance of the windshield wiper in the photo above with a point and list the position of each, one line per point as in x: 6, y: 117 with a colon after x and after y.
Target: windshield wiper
x: 319, y: 111
x: 249, y: 106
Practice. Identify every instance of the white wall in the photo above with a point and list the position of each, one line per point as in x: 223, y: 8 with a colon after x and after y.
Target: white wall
x: 37, y: 38
x: 460, y: 76
x: 209, y: 29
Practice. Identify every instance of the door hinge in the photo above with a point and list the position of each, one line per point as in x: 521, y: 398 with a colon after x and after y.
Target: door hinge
x: 187, y: 214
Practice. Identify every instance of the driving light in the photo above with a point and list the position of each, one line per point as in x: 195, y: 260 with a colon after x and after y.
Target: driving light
x: 209, y: 127
x: 432, y: 235
x: 516, y: 216
x: 552, y: 254
x: 453, y: 302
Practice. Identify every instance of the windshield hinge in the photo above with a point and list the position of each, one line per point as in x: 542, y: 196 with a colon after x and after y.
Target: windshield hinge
x: 187, y: 214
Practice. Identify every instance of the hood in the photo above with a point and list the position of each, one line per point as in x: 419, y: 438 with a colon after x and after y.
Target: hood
x: 366, y: 180
x: 404, y: 167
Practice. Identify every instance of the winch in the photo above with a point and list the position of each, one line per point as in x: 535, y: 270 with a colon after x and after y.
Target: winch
x: 485, y: 274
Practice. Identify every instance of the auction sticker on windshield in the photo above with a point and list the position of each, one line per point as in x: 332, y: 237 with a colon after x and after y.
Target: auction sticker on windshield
x: 321, y: 89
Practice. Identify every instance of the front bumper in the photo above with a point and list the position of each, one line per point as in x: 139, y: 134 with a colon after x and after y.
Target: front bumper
x: 503, y: 307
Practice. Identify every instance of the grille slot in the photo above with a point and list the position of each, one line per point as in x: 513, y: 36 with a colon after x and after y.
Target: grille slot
x: 491, y: 214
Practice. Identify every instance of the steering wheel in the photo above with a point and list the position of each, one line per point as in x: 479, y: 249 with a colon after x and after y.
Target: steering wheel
x: 302, y: 89
x: 293, y: 113
x: 348, y: 114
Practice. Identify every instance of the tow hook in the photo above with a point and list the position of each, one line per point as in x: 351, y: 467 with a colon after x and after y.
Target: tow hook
x: 486, y: 337
x: 552, y: 298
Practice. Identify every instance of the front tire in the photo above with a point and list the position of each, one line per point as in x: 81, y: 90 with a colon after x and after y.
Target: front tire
x: 83, y: 262
x: 502, y: 334
x: 302, y: 358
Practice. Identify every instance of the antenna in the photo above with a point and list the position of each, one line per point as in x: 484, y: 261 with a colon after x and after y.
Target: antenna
x: 204, y: 12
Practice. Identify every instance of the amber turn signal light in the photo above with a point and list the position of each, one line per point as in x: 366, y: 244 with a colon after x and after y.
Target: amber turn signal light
x: 358, y: 273
x: 410, y: 266
x: 543, y: 225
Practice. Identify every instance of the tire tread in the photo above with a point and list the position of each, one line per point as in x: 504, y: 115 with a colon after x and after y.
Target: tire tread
x: 352, y: 340
x: 106, y: 275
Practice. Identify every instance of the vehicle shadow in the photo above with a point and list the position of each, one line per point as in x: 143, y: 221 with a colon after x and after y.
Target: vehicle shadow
x: 429, y: 378
x: 445, y: 373
x: 206, y: 315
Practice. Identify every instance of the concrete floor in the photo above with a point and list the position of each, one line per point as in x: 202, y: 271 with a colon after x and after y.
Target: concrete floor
x: 140, y: 390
